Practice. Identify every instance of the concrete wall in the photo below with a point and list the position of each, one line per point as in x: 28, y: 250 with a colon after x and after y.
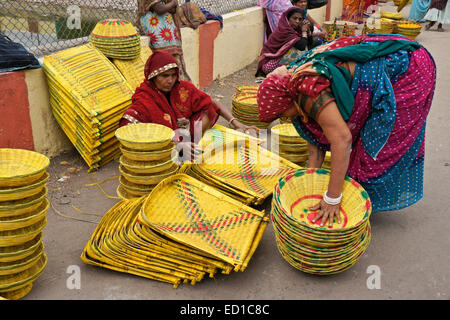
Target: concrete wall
x: 209, y: 52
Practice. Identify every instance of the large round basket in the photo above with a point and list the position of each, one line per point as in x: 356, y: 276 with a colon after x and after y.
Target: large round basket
x: 145, y: 136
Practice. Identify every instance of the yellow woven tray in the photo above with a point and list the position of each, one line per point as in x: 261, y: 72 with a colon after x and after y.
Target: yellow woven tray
x: 286, y: 133
x: 9, y: 268
x: 148, y: 178
x: 24, y: 278
x: 22, y: 221
x: 17, y: 294
x: 20, y: 236
x: 22, y: 206
x: 247, y: 167
x: 226, y: 231
x: 148, y: 155
x: 14, y: 253
x: 304, y: 188
x: 9, y: 193
x: 20, y: 167
x: 143, y: 167
x: 145, y: 136
x: 219, y: 135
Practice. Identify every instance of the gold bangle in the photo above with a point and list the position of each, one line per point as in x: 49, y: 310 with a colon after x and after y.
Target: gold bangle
x: 231, y: 120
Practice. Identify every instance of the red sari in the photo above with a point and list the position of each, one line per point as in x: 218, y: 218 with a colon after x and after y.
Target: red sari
x: 151, y: 105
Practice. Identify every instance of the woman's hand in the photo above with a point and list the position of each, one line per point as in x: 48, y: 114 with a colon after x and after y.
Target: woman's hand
x: 244, y: 128
x: 326, y: 212
x: 187, y: 151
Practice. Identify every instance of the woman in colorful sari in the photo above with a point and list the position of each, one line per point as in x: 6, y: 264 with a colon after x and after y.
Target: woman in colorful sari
x: 164, y: 99
x: 292, y: 37
x: 156, y: 20
x: 365, y: 99
x: 272, y: 11
x: 353, y: 10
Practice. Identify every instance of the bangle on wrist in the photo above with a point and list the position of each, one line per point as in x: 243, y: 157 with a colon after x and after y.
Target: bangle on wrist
x: 331, y: 201
x: 230, y: 122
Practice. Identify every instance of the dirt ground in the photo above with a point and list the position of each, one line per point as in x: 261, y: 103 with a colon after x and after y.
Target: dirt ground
x: 409, y: 248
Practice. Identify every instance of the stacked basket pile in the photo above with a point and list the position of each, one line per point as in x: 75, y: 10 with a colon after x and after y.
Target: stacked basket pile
x: 306, y: 245
x: 245, y: 106
x: 177, y: 234
x: 146, y: 158
x: 133, y: 70
x: 409, y: 29
x: 23, y: 216
x: 88, y: 96
x: 242, y: 170
x: 117, y: 39
x: 287, y: 143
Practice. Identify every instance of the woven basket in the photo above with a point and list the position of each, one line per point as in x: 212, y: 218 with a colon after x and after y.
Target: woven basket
x: 17, y: 294
x: 22, y: 221
x: 18, y: 252
x: 148, y: 155
x: 20, y: 236
x: 391, y: 15
x: 114, y: 29
x: 24, y: 278
x: 8, y: 194
x: 22, y: 206
x: 145, y: 136
x: 142, y: 188
x: 231, y: 224
x: 286, y: 134
x: 9, y: 268
x: 20, y: 167
x: 148, y: 179
x: 142, y: 167
x: 305, y: 188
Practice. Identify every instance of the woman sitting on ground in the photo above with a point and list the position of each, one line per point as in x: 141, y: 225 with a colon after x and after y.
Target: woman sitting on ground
x: 318, y: 34
x: 365, y: 99
x: 164, y: 99
x: 293, y: 36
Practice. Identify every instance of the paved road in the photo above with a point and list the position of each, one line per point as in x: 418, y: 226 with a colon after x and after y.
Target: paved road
x: 409, y: 247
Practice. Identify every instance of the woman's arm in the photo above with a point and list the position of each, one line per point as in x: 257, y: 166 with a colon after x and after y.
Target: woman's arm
x: 340, y: 139
x: 316, y: 156
x: 162, y: 8
x: 227, y: 115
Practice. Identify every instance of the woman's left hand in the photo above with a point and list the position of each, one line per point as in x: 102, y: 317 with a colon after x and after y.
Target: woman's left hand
x: 326, y: 212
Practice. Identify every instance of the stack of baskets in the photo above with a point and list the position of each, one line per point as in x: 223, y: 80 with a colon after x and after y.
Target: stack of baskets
x: 146, y: 158
x: 409, y: 29
x: 88, y: 96
x: 287, y: 143
x: 133, y: 70
x: 242, y: 170
x: 116, y: 38
x: 307, y: 246
x: 177, y: 234
x: 245, y: 106
x: 386, y: 26
x: 23, y: 216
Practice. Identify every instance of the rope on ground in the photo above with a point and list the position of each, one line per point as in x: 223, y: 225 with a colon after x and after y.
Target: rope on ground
x: 101, y: 182
x: 68, y: 217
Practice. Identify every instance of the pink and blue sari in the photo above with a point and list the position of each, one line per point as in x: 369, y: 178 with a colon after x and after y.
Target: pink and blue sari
x: 392, y: 92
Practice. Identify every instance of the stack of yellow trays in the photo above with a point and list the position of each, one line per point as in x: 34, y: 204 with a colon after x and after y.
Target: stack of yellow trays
x: 245, y: 106
x: 242, y: 169
x: 23, y: 216
x: 409, y: 29
x: 146, y: 158
x: 307, y: 246
x: 133, y: 70
x: 88, y: 96
x: 287, y: 143
x: 386, y: 26
x: 177, y: 234
x: 116, y: 38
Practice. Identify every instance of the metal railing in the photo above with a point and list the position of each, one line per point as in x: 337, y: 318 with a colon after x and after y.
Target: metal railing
x: 45, y: 26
